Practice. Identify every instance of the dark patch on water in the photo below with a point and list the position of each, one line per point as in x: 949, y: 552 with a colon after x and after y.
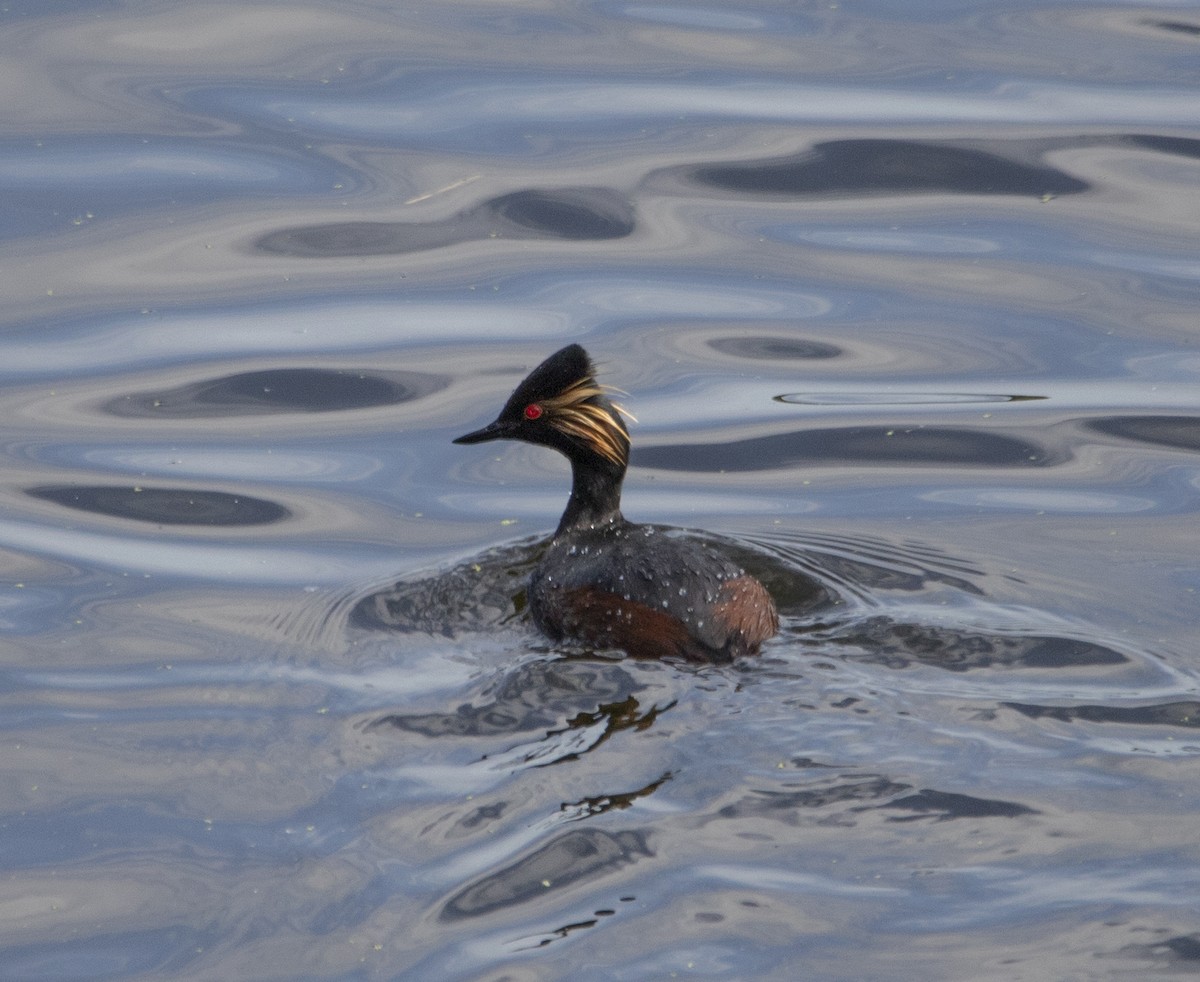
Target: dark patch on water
x: 784, y: 805
x: 774, y: 349
x: 1175, y: 26
x: 1183, y: 947
x: 1183, y: 713
x: 865, y: 794
x: 862, y: 167
x: 883, y: 641
x: 563, y: 214
x: 582, y: 214
x: 795, y: 593
x: 278, y: 390
x: 165, y: 506
x: 942, y: 806
x: 543, y: 695
x: 1171, y: 949
x: 1178, y: 432
x: 1177, y: 146
x: 477, y: 819
x: 872, y: 565
x: 579, y: 854
x: 876, y: 445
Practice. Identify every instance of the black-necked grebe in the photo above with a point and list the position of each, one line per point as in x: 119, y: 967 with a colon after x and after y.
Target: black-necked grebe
x: 648, y: 590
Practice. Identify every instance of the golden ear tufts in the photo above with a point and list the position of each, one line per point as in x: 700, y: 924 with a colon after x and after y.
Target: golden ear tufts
x: 608, y: 390
x: 572, y: 412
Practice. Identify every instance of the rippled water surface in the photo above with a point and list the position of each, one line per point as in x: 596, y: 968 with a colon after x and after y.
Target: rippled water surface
x: 904, y: 297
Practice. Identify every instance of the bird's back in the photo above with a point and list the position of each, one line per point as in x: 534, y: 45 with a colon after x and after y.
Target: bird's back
x: 650, y: 591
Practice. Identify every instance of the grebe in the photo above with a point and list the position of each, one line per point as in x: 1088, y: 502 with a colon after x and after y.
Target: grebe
x: 648, y: 590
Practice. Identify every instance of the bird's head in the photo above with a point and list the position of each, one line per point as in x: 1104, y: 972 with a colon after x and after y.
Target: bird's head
x: 561, y: 405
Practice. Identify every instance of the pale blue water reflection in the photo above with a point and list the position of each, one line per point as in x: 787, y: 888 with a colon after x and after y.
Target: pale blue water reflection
x: 904, y: 301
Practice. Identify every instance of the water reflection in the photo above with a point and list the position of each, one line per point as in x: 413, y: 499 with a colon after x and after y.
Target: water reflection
x: 869, y: 567
x: 774, y: 348
x: 543, y: 695
x: 837, y: 797
x: 80, y: 180
x: 165, y: 506
x: 151, y: 952
x: 1175, y: 26
x: 1182, y: 950
x: 889, y: 167
x: 615, y: 800
x: 868, y: 445
x: 1177, y: 432
x: 206, y: 766
x: 278, y: 390
x: 881, y: 640
x: 561, y: 862
x: 566, y: 214
x: 943, y: 806
x: 1178, y: 146
x: 1184, y: 714
x: 842, y: 799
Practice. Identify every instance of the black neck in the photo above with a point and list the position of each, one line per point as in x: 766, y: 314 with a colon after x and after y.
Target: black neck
x: 595, y: 494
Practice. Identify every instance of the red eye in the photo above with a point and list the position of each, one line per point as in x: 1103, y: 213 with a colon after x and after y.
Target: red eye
x: 533, y: 411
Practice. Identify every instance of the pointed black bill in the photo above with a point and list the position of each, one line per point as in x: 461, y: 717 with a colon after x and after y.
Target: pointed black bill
x: 493, y: 431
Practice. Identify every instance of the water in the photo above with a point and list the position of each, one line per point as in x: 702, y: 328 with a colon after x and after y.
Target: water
x: 904, y: 299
